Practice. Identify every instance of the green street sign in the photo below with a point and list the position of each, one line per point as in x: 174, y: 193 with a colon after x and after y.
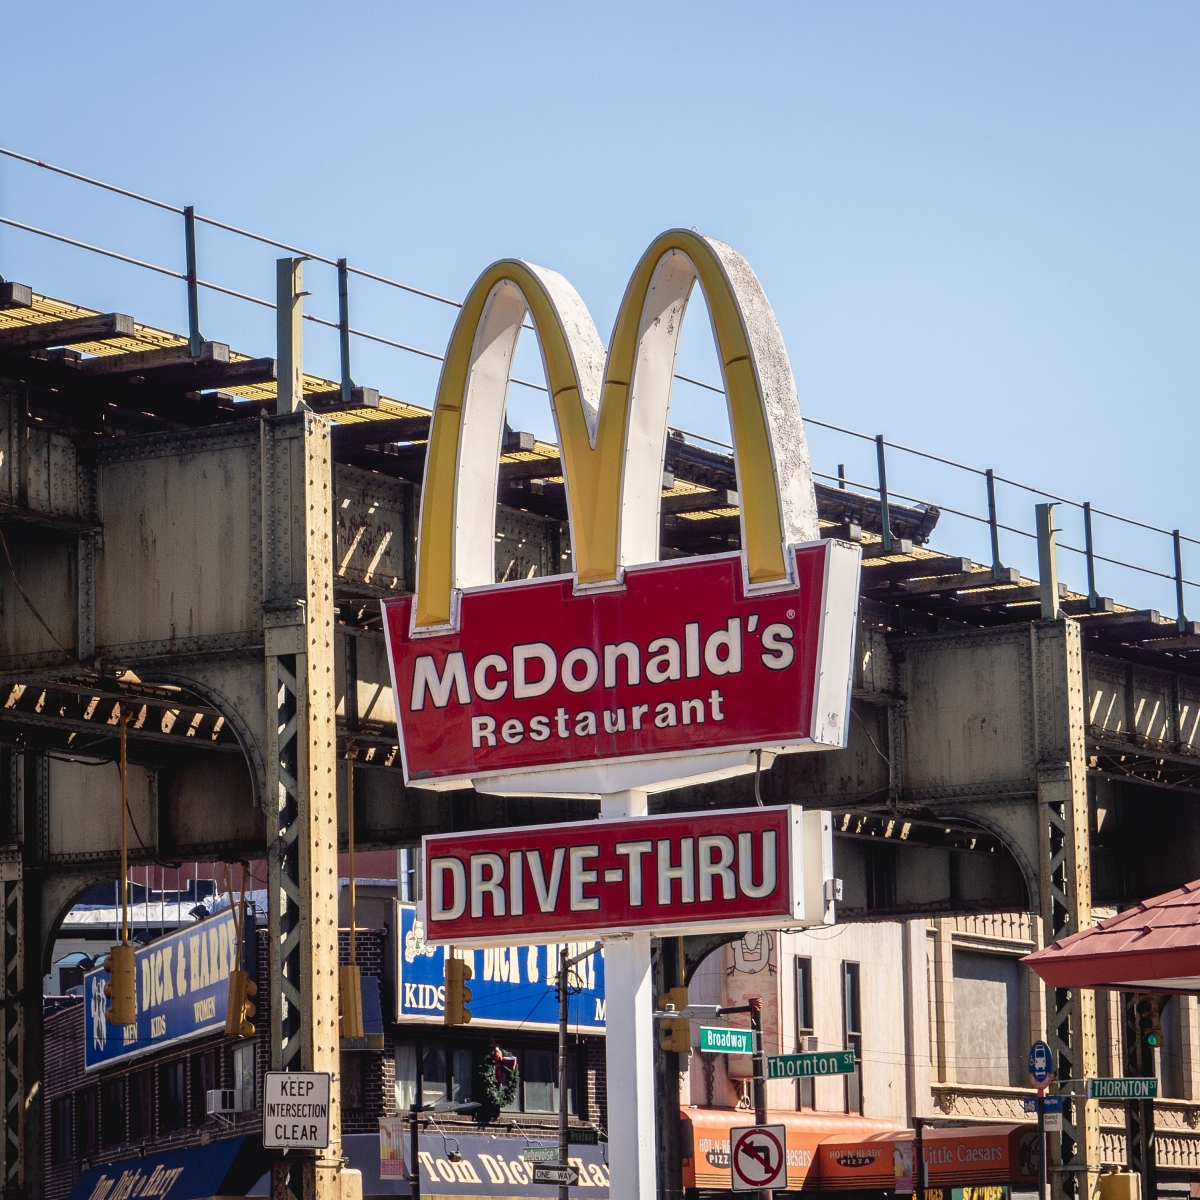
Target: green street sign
x: 582, y: 1137
x: 719, y: 1040
x: 807, y: 1066
x: 540, y: 1154
x: 1132, y: 1088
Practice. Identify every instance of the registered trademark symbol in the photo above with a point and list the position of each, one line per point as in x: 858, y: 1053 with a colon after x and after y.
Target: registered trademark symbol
x: 791, y: 612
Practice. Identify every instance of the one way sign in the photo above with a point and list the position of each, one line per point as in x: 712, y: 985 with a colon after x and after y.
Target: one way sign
x: 758, y: 1157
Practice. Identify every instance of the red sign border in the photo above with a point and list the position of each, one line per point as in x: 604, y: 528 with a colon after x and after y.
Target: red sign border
x: 749, y: 1131
x: 831, y: 548
x: 794, y: 890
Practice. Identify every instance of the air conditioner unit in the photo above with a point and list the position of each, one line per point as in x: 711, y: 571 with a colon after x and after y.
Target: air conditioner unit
x: 219, y: 1101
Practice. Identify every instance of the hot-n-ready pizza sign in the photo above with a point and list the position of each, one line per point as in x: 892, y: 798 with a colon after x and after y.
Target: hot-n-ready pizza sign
x: 736, y: 869
x: 630, y: 672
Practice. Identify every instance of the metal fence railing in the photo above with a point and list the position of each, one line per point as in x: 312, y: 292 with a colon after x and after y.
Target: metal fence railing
x: 984, y: 514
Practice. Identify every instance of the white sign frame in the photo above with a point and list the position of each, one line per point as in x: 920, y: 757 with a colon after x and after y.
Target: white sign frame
x: 317, y: 1086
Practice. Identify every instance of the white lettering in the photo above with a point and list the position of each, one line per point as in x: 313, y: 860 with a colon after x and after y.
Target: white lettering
x: 523, y: 687
x: 580, y: 900
x: 439, y: 908
x: 632, y: 656
x: 491, y: 884
x: 685, y: 872
x: 634, y: 851
x: 547, y: 896
x: 483, y: 729
x: 581, y: 656
x: 426, y: 679
x: 720, y: 867
x: 746, y: 865
x: 483, y: 689
x: 665, y: 663
x: 779, y: 653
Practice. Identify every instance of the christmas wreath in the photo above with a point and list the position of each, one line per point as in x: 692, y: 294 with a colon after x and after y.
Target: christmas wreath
x: 501, y: 1078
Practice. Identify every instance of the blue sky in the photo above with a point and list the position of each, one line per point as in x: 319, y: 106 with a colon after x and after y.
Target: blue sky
x: 977, y: 223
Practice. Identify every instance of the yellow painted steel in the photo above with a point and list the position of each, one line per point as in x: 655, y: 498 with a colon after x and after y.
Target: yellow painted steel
x: 594, y: 465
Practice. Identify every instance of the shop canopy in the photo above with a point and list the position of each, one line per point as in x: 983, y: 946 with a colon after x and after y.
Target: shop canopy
x: 225, y: 1168
x: 1154, y: 946
x: 967, y: 1156
x: 706, y: 1142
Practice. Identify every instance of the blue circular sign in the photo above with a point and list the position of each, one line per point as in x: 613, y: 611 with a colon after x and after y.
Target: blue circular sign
x: 1041, y: 1065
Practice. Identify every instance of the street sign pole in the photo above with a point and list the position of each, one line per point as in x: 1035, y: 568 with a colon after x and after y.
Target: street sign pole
x: 1043, y: 1173
x: 629, y: 1046
x: 760, y: 1072
x: 565, y: 966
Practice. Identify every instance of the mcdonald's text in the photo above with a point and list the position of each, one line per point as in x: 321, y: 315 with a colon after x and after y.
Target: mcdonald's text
x: 730, y: 870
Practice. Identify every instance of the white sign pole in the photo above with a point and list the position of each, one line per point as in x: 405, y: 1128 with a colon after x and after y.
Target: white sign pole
x: 629, y: 1046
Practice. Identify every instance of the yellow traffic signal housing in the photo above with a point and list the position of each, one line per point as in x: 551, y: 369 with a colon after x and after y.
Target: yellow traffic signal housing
x: 1149, y: 1020
x: 350, y: 995
x: 675, y: 1033
x: 457, y: 993
x: 121, y: 988
x: 240, y: 1006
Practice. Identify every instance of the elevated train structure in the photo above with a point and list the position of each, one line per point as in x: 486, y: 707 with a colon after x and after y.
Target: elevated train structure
x: 186, y: 542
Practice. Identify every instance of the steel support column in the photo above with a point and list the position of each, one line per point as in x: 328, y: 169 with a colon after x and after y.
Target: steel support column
x: 1139, y: 1114
x: 1065, y: 875
x: 301, y: 763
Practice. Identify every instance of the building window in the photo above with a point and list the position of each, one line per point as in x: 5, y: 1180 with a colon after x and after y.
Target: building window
x: 112, y: 1112
x: 852, y: 1027
x: 804, y: 1026
x: 172, y: 1096
x: 406, y: 1075
x: 1170, y: 1056
x: 87, y: 1131
x: 988, y: 1024
x: 433, y: 1073
x: 204, y: 1079
x: 244, y: 1074
x: 62, y: 1148
x: 463, y: 1075
x: 352, y: 1080
x: 141, y: 1106
x: 540, y: 1081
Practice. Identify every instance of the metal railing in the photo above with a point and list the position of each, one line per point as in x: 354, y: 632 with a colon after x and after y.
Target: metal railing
x: 1151, y: 584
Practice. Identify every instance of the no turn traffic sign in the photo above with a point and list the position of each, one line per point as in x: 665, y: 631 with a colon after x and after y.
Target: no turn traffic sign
x: 758, y: 1157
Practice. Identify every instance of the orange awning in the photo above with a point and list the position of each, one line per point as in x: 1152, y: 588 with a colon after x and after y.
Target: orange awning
x: 957, y: 1157
x: 706, y: 1142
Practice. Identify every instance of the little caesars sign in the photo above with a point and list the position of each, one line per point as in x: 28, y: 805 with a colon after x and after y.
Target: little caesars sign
x: 629, y: 675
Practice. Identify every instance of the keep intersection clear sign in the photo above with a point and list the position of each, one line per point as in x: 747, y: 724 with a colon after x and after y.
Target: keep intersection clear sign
x: 182, y: 989
x: 511, y: 986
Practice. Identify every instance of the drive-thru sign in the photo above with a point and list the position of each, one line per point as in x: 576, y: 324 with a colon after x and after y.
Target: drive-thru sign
x: 737, y: 869
x: 758, y: 1157
x: 629, y: 675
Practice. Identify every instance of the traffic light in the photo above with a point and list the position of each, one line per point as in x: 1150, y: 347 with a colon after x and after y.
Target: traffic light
x: 457, y: 993
x: 121, y: 988
x: 240, y: 1006
x: 350, y: 997
x: 675, y: 1033
x: 1149, y: 1022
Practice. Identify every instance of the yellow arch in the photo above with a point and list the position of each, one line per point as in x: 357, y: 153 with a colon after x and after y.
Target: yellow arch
x: 612, y: 494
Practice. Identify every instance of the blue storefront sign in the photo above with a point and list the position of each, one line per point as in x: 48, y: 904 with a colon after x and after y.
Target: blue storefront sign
x: 182, y: 988
x: 514, y: 987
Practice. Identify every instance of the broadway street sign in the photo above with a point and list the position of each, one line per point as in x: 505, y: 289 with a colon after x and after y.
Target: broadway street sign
x: 730, y: 870
x: 1131, y: 1088
x: 805, y: 1066
x: 719, y: 1040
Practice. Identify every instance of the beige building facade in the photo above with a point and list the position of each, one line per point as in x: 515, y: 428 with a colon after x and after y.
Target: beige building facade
x: 941, y: 1014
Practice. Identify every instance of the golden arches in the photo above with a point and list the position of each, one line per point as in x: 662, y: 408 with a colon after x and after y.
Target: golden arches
x: 611, y: 416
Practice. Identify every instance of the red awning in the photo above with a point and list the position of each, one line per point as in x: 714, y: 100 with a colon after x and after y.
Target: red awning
x: 1153, y: 946
x: 964, y: 1156
x: 706, y: 1142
